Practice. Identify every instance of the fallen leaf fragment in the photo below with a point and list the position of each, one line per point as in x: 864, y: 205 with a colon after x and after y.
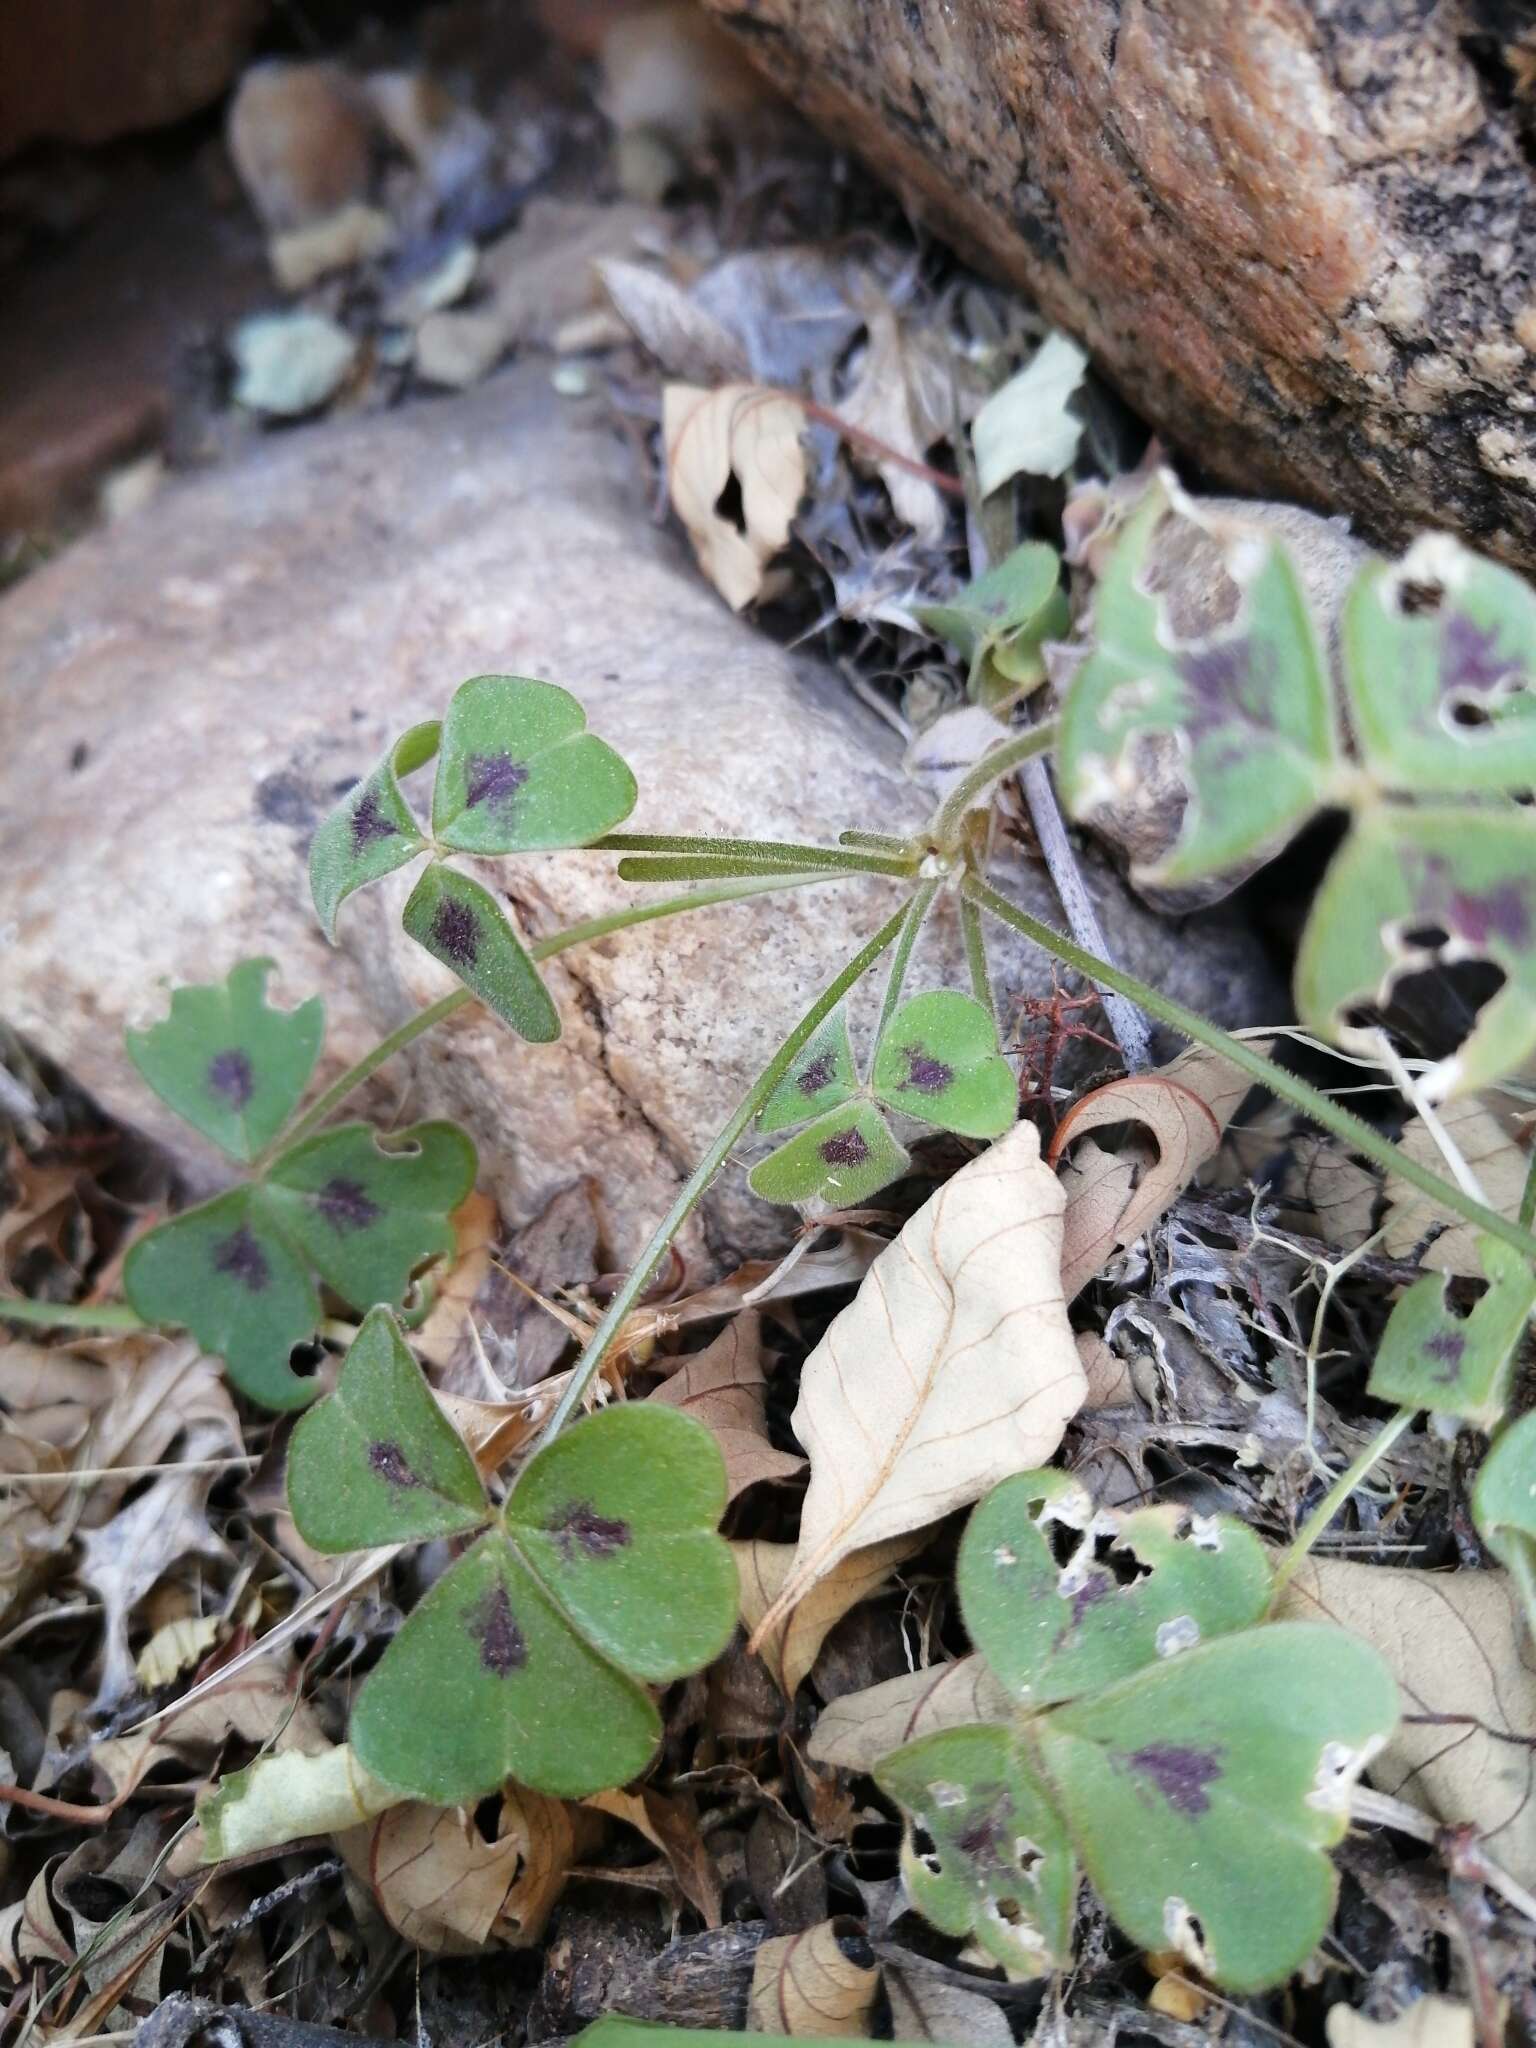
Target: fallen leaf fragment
x: 1499, y: 1164
x: 744, y: 433
x: 287, y: 1796
x: 790, y: 1645
x: 670, y: 1823
x: 1430, y: 2022
x: 857, y: 1730
x: 807, y: 1986
x: 904, y: 399
x: 175, y: 1648
x: 1026, y: 426
x: 925, y: 2008
x: 723, y: 1387
x: 684, y: 337
x: 952, y: 1367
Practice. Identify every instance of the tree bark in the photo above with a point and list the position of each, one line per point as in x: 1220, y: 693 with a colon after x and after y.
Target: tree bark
x: 1299, y: 235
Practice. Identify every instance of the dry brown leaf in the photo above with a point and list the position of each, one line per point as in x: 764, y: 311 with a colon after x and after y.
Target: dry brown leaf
x: 789, y: 1645
x: 261, y: 1706
x: 1456, y: 1643
x: 1326, y: 1193
x: 804, y: 1985
x: 745, y: 432
x: 925, y: 2008
x: 722, y: 1387
x: 855, y: 1731
x: 904, y: 397
x: 175, y: 1647
x: 476, y: 1228
x: 952, y: 1367
x: 1499, y: 1163
x: 443, y: 1887
x: 670, y: 1823
x: 1109, y: 1379
x: 1187, y: 1107
x: 669, y: 324
x: 1430, y: 2022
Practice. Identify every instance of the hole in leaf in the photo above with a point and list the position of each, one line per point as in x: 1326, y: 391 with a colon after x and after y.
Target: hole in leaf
x: 1433, y: 1008
x: 1061, y: 1538
x: 1029, y: 1859
x: 488, y: 1818
x: 1124, y: 1566
x: 1420, y: 600
x: 730, y: 505
x: 1469, y: 715
x: 1010, y: 1910
x: 1428, y: 938
x: 304, y: 1359
x: 926, y: 1851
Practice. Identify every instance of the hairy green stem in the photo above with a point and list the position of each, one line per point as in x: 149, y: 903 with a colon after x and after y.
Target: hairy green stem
x: 990, y: 768
x: 1320, y: 1108
x: 1335, y: 1497
x: 875, y: 842
x: 1528, y: 1196
x: 55, y: 1315
x: 773, y: 852
x: 918, y: 907
x: 976, y: 956
x: 693, y: 1190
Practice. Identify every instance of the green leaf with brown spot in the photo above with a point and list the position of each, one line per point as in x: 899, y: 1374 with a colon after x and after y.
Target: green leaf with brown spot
x: 821, y: 1077
x: 939, y: 1060
x: 1439, y: 660
x: 520, y: 773
x: 463, y: 925
x: 1407, y: 887
x: 842, y: 1159
x: 1203, y: 1792
x: 1132, y: 1589
x: 1000, y: 622
x: 377, y: 1461
x: 1430, y: 1357
x: 985, y: 1854
x: 227, y: 1273
x: 229, y: 1062
x: 372, y: 831
x: 1243, y: 717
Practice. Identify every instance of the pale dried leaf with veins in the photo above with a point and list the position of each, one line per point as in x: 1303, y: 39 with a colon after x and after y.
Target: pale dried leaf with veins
x: 1457, y: 1646
x: 1499, y: 1163
x: 723, y: 1387
x: 953, y: 1366
x: 790, y: 1645
x: 753, y: 435
x: 1186, y: 1106
x: 261, y: 1706
x: 904, y: 397
x: 804, y: 1985
x: 925, y: 2008
x: 445, y: 1333
x: 669, y: 324
x: 1430, y: 2022
x: 857, y: 1730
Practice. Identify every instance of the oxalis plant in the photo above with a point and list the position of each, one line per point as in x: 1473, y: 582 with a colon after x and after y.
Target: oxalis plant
x: 1136, y: 1721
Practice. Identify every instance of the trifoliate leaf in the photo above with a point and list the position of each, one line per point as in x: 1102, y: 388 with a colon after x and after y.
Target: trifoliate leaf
x: 1000, y: 623
x: 1504, y: 1499
x: 842, y: 1159
x: 1246, y: 713
x: 1408, y: 888
x: 1430, y: 1357
x: 1133, y: 1589
x: 939, y: 1060
x: 985, y: 1853
x: 377, y: 1461
x: 1202, y: 1792
x: 372, y: 831
x: 229, y: 1062
x: 227, y: 1273
x: 464, y: 926
x: 520, y: 772
x: 1439, y: 659
x: 820, y: 1078
x: 367, y: 1210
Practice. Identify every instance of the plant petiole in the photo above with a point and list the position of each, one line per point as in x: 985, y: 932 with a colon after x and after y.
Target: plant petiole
x: 773, y: 852
x: 976, y: 956
x: 56, y: 1315
x: 918, y: 907
x: 949, y: 819
x: 1334, y: 1499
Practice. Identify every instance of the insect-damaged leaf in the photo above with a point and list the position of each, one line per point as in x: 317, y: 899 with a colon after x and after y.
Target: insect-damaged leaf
x: 1000, y: 622
x: 1439, y: 659
x: 378, y: 1461
x: 520, y: 773
x: 1504, y: 1499
x: 367, y: 1210
x: 1408, y: 887
x: 524, y: 1660
x: 1247, y: 709
x: 1134, y: 1588
x: 821, y: 1078
x: 464, y: 926
x: 228, y: 1274
x: 985, y: 1852
x: 372, y: 831
x: 1201, y: 1793
x: 1430, y: 1357
x: 843, y: 1158
x: 228, y: 1062
x: 939, y: 1060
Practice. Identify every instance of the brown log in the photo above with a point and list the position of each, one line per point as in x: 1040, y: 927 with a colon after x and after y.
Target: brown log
x: 1299, y: 235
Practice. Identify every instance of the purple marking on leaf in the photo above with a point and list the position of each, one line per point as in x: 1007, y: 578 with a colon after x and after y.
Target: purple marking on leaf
x: 346, y: 1205
x: 369, y: 823
x: 1096, y: 1587
x: 1470, y: 657
x: 579, y: 1526
x: 924, y: 1073
x: 242, y: 1258
x: 230, y: 1077
x: 1226, y: 679
x: 846, y: 1148
x: 456, y: 932
x: 494, y: 1628
x: 822, y: 1070
x: 980, y: 1838
x: 388, y: 1460
x: 493, y: 778
x: 1446, y: 1348
x: 1180, y: 1774
x: 1502, y: 912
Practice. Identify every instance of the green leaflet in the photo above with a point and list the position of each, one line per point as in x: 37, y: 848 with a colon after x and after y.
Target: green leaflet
x: 1000, y: 622
x: 1504, y: 1501
x: 842, y: 1159
x: 821, y: 1078
x: 939, y: 1060
x: 519, y: 772
x: 463, y: 925
x: 1054, y: 1631
x: 1429, y: 1357
x: 1247, y: 711
x: 1407, y: 884
x: 228, y: 1062
x: 372, y: 831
